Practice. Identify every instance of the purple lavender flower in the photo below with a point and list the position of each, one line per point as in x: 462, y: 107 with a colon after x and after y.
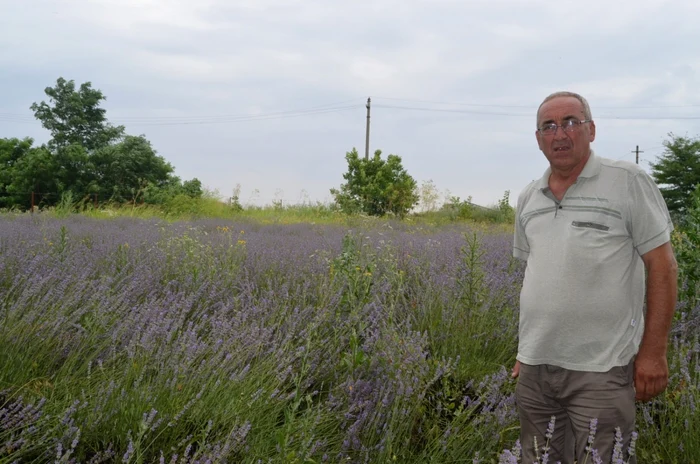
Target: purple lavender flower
x: 507, y: 457
x: 595, y: 455
x: 617, y: 457
x: 550, y: 428
x: 592, y: 429
x: 633, y: 444
x: 129, y: 451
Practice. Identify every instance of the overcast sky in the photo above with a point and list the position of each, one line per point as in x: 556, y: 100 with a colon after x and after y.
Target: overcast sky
x: 270, y: 94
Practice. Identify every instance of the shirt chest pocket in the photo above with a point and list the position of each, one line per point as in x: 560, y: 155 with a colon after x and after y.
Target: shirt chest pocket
x: 589, y: 235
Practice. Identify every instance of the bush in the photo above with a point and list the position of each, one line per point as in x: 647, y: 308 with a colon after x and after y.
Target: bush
x: 376, y: 186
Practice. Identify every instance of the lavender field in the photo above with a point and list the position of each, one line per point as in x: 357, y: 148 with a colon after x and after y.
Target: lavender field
x: 142, y: 341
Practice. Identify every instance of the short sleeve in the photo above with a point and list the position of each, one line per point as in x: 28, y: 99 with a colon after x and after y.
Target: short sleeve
x: 521, y: 247
x: 650, y: 221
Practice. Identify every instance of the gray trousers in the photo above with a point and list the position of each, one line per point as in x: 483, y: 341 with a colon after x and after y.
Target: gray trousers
x: 574, y: 398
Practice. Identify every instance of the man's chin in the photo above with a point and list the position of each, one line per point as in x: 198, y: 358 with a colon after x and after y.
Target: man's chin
x: 563, y: 160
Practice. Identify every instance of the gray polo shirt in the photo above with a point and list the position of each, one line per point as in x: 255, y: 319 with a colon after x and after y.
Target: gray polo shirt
x: 582, y: 301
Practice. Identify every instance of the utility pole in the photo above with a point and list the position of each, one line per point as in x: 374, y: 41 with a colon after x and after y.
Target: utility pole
x: 369, y: 101
x: 637, y: 152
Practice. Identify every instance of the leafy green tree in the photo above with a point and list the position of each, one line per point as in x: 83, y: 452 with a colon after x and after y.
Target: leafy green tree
x: 33, y: 172
x: 686, y: 244
x: 677, y: 172
x: 376, y: 186
x: 174, y: 187
x: 75, y: 117
x: 192, y: 188
x: 11, y: 151
x: 74, y: 171
x: 123, y: 170
x: 86, y: 156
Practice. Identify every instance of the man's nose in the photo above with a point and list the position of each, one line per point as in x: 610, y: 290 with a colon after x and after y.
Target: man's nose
x: 560, y: 133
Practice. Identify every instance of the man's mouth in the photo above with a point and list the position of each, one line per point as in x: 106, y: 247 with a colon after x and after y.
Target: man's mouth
x: 561, y: 149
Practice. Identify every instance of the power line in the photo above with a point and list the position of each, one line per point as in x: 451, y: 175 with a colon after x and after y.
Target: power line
x: 261, y: 117
x: 409, y: 100
x: 234, y: 116
x: 488, y: 105
x: 492, y: 105
x: 325, y: 109
x: 448, y: 110
x: 168, y: 118
x: 215, y: 119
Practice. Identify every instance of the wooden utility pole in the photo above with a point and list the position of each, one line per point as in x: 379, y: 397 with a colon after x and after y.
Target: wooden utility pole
x: 369, y: 102
x: 637, y: 152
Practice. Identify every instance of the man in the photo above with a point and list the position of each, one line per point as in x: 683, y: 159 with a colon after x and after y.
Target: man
x: 588, y: 347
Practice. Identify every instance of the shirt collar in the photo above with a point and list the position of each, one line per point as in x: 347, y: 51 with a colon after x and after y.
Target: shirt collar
x: 591, y: 169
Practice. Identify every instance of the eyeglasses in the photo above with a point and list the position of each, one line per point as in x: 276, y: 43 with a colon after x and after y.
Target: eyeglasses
x: 568, y: 126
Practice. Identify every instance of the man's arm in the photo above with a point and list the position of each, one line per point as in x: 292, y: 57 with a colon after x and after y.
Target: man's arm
x: 651, y: 364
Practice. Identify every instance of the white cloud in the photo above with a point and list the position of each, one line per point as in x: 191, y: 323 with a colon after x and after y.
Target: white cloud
x: 138, y: 16
x: 162, y: 58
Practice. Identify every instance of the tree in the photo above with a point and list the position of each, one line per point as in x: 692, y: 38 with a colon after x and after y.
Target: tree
x: 429, y: 196
x: 74, y: 171
x: 677, y: 172
x: 32, y: 172
x: 376, y: 186
x: 173, y: 188
x: 86, y: 156
x: 11, y: 150
x: 124, y: 169
x: 75, y: 117
x: 193, y: 188
x: 686, y: 244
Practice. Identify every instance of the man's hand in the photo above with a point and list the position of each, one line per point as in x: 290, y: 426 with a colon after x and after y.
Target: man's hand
x: 650, y: 375
x: 516, y: 370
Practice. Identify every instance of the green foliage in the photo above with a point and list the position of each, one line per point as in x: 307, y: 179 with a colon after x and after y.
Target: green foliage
x: 686, y: 244
x: 376, y: 186
x: 11, y: 151
x: 75, y: 117
x: 86, y: 157
x: 25, y: 169
x: 458, y: 209
x: 122, y: 170
x: 678, y: 173
x: 74, y: 171
x: 505, y: 208
x: 193, y: 188
x: 235, y: 200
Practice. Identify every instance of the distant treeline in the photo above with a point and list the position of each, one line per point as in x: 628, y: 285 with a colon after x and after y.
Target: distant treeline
x: 86, y: 157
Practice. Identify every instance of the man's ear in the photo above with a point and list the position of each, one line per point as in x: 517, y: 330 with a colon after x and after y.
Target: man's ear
x: 591, y: 137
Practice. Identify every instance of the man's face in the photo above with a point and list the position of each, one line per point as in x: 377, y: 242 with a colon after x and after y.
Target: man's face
x: 565, y: 150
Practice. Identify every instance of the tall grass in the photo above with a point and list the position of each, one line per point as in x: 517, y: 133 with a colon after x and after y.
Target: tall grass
x: 184, y: 208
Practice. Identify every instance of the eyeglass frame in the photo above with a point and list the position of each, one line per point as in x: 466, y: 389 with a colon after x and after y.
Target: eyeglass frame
x: 569, y: 126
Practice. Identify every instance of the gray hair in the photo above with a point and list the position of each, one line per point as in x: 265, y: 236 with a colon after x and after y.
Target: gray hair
x: 584, y: 103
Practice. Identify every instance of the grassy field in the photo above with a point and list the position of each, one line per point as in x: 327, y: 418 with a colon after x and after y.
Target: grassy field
x: 276, y: 336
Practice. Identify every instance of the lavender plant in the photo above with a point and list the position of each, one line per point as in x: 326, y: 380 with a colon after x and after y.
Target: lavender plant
x: 141, y: 340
